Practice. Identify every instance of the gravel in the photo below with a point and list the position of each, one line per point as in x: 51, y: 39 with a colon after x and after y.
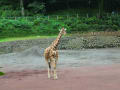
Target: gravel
x: 32, y: 58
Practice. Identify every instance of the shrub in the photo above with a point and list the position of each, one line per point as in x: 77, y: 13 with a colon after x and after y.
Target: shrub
x: 1, y: 73
x: 14, y: 27
x: 45, y: 26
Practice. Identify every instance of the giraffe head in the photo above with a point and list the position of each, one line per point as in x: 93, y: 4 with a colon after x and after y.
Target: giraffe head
x: 63, y: 31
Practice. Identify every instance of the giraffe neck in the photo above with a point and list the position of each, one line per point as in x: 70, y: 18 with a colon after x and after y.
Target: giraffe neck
x: 56, y: 42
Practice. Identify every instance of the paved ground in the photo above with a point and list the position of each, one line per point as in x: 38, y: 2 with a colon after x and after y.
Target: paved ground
x: 83, y: 78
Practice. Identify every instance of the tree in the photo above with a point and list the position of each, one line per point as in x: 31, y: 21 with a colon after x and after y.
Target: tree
x: 37, y: 7
x: 22, y: 8
x: 67, y: 3
x: 101, y: 7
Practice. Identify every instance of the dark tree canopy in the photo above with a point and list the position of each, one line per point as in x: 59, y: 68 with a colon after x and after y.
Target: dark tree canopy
x: 46, y: 6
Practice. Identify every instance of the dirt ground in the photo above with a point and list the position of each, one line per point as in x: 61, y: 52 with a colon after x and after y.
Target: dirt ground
x: 93, y: 69
x: 83, y: 78
x: 33, y: 59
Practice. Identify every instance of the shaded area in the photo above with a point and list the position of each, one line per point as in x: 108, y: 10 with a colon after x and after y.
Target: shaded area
x: 32, y: 58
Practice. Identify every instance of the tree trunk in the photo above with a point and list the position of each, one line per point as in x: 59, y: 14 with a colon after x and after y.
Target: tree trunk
x: 101, y: 6
x: 22, y: 8
x: 67, y: 3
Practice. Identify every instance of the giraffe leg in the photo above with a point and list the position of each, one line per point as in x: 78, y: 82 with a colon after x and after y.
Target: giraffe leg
x: 55, y: 63
x: 55, y: 73
x: 49, y: 69
x: 48, y: 72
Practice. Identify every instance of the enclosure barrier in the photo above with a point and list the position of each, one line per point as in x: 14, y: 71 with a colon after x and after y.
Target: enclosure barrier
x: 57, y: 17
x: 72, y: 42
x: 102, y: 33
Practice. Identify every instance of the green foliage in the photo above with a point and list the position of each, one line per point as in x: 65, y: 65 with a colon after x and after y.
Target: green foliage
x: 14, y: 27
x: 23, y: 27
x: 7, y: 11
x: 37, y: 7
x: 83, y: 24
x: 45, y: 26
x: 1, y: 73
x: 74, y: 12
x: 50, y: 26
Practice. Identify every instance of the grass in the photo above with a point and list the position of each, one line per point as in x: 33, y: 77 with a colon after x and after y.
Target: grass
x: 24, y: 38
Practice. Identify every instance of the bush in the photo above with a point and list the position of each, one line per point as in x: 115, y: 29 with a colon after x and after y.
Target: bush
x: 45, y: 26
x: 14, y: 27
x: 1, y: 73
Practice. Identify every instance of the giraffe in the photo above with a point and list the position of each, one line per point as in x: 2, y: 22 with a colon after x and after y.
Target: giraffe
x: 51, y: 54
